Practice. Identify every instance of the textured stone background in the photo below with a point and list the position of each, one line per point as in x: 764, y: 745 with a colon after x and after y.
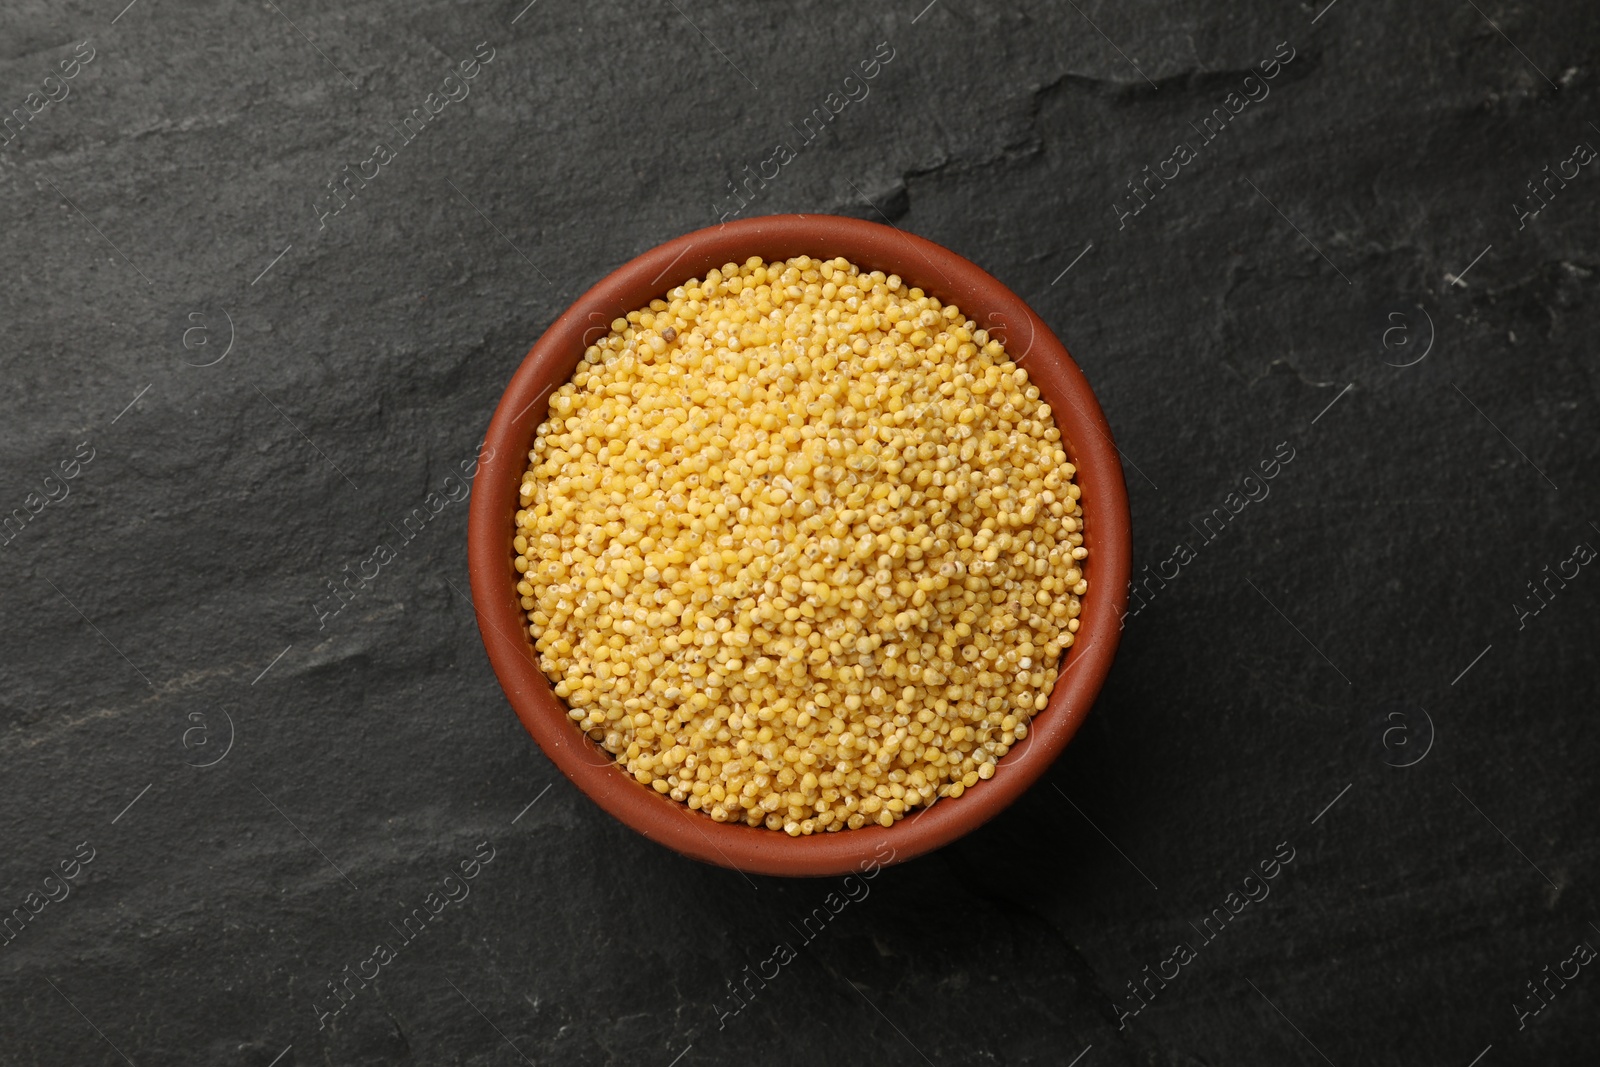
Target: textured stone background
x: 171, y: 593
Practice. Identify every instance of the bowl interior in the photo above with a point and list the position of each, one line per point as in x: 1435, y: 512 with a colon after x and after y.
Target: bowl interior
x: 1085, y: 438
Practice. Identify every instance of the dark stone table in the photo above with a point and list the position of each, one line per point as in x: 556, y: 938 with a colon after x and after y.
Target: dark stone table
x: 269, y: 264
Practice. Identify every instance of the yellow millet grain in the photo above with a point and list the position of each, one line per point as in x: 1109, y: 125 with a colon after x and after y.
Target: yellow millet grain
x: 800, y: 547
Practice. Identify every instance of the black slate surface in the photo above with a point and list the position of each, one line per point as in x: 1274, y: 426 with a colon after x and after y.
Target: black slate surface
x: 249, y: 388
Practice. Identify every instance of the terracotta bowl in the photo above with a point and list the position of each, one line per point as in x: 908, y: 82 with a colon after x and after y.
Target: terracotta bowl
x: 1085, y: 437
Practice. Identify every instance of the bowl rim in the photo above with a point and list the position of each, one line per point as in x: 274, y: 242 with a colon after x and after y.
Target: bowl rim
x: 921, y: 263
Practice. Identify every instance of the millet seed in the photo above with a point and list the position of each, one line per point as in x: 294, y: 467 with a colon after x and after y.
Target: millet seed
x: 800, y: 546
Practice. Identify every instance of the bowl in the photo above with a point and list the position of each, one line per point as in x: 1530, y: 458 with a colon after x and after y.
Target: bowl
x: 952, y: 279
